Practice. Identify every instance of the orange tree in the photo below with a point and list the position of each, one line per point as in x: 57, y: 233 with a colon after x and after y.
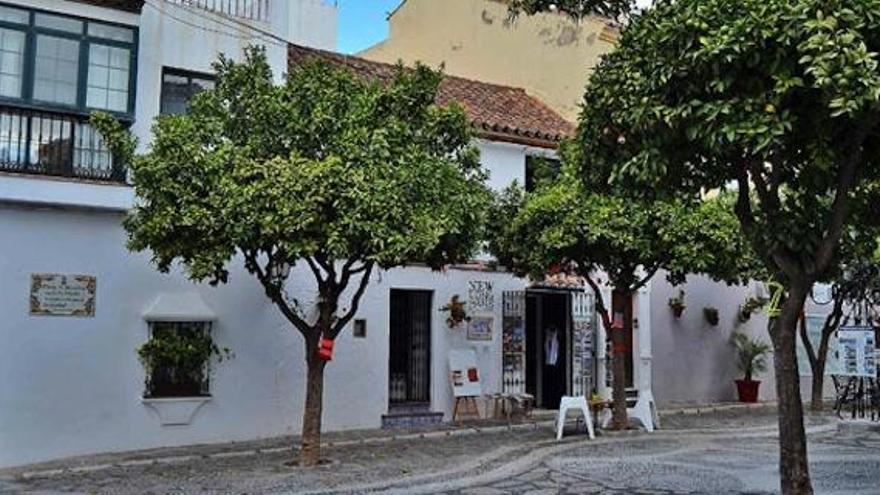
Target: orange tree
x: 617, y: 242
x: 328, y: 171
x: 780, y: 98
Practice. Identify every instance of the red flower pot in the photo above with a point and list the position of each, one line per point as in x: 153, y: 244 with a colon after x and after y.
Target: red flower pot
x: 747, y: 390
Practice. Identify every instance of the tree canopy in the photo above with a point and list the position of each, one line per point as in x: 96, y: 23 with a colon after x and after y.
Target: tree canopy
x: 779, y: 98
x: 564, y: 223
x: 330, y: 171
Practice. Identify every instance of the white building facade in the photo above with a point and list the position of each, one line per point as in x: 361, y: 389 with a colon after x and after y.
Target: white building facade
x: 77, y: 304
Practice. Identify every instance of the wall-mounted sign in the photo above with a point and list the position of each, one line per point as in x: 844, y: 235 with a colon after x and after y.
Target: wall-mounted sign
x: 62, y: 295
x: 857, y: 351
x: 480, y: 328
x: 480, y: 297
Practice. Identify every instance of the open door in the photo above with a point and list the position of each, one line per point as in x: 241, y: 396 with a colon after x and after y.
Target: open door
x: 410, y: 348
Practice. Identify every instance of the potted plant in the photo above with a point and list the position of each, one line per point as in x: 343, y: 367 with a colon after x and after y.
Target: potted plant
x: 176, y: 363
x: 711, y: 315
x: 597, y: 405
x: 751, y: 359
x: 751, y: 305
x: 457, y: 312
x: 677, y: 304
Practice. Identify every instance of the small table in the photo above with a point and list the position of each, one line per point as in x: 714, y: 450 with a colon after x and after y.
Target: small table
x: 509, y: 404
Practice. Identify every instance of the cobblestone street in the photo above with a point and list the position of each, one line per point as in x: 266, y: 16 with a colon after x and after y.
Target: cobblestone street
x: 715, y: 453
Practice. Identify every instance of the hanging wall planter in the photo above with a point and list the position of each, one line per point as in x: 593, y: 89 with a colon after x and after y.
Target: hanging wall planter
x: 751, y: 305
x: 457, y: 314
x: 677, y: 304
x: 711, y: 315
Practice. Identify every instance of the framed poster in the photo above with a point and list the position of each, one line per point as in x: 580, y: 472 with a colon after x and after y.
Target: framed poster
x: 480, y: 328
x: 62, y: 295
x: 464, y: 374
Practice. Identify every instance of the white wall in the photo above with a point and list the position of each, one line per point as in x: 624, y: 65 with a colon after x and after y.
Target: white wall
x: 313, y: 23
x: 506, y: 161
x: 74, y: 385
x: 193, y: 39
x: 694, y: 361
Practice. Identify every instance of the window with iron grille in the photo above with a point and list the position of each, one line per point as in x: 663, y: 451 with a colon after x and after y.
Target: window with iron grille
x: 177, y: 359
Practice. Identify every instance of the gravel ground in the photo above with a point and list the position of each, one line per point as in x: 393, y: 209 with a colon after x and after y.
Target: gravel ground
x: 727, y: 451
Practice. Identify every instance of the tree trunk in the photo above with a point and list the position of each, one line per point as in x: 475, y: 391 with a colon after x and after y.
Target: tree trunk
x: 832, y: 322
x: 622, y: 306
x: 310, y: 452
x: 794, y: 467
x: 817, y: 399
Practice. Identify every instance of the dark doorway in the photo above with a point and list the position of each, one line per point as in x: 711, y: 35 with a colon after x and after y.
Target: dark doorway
x: 554, y: 339
x: 410, y: 349
x: 548, y: 332
x: 533, y: 360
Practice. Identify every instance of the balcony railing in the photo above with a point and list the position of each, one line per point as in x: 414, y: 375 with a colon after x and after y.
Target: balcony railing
x: 57, y: 144
x: 255, y: 10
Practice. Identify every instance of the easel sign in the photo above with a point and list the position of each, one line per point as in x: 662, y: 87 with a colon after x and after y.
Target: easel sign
x: 465, y: 378
x: 464, y: 374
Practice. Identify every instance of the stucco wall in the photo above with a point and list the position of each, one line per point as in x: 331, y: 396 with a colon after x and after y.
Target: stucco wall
x: 74, y: 385
x: 693, y: 361
x: 548, y: 54
x: 177, y: 37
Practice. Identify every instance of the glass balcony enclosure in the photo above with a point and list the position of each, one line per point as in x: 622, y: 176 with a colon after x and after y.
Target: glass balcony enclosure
x: 55, y: 70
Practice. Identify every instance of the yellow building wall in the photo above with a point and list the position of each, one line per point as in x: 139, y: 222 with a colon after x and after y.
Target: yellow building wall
x: 548, y: 55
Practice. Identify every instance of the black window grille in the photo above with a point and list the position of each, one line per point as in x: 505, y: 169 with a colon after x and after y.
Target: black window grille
x: 170, y: 377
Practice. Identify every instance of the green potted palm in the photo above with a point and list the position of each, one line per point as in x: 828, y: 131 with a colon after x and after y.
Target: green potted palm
x: 751, y: 359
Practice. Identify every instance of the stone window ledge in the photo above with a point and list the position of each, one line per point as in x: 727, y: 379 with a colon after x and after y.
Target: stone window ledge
x: 175, y: 410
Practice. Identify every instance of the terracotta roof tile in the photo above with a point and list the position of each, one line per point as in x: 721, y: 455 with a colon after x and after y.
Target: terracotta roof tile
x: 497, y: 112
x: 126, y: 5
x: 560, y: 281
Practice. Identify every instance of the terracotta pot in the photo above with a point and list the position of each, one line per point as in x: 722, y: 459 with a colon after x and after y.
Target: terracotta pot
x: 677, y: 311
x: 747, y: 390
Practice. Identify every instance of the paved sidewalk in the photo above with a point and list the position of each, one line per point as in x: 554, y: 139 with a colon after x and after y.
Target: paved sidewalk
x: 727, y: 451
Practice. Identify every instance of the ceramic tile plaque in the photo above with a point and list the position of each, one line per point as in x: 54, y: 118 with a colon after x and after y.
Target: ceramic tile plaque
x: 62, y: 295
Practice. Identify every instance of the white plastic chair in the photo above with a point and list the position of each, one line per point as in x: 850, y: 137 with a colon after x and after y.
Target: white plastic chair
x: 576, y: 403
x: 644, y: 411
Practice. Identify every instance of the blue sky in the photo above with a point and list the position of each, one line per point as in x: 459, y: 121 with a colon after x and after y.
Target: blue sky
x: 362, y: 23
